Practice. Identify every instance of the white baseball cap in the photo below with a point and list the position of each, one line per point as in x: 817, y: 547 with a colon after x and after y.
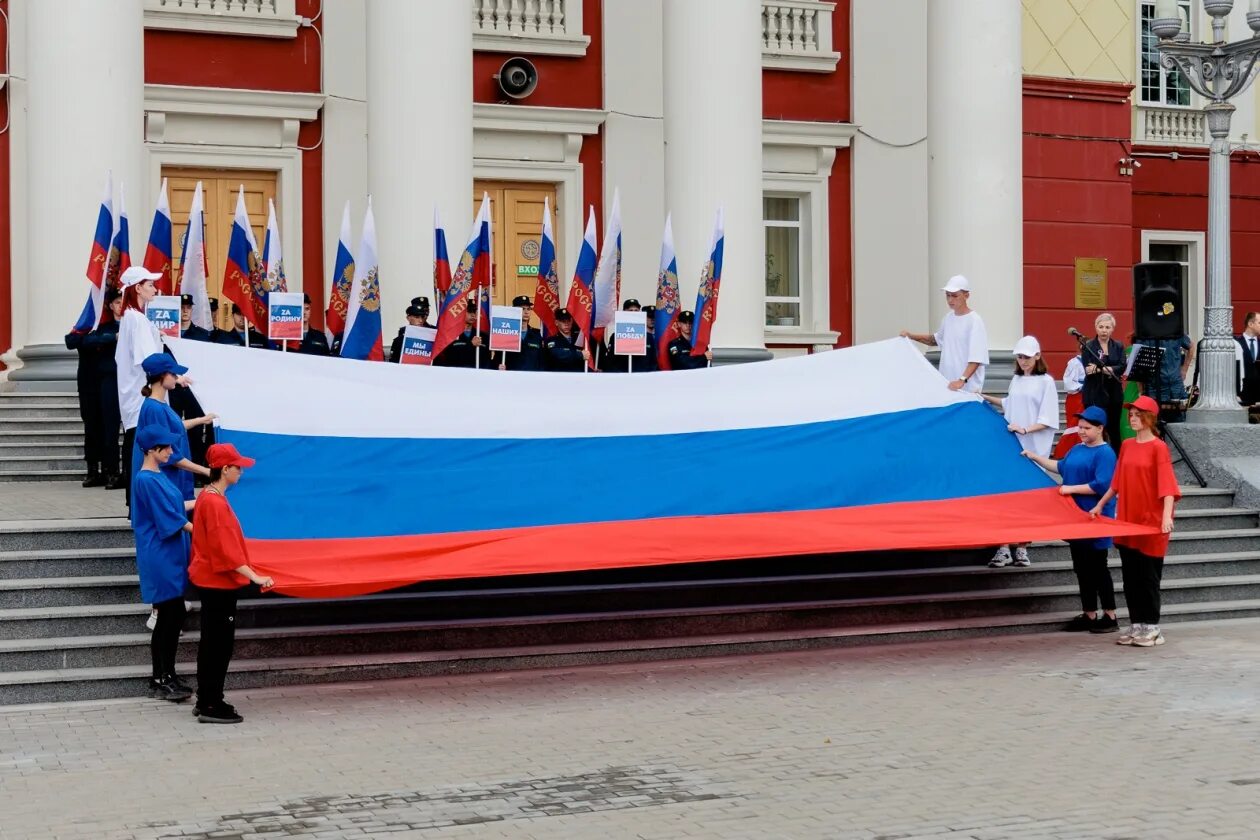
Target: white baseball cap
x: 1027, y: 346
x: 137, y: 274
x: 958, y: 283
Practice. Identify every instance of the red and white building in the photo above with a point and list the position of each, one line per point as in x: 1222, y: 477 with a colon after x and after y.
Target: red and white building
x: 863, y: 150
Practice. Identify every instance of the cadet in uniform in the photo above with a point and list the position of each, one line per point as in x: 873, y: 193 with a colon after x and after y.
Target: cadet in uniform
x: 531, y: 355
x: 102, y: 342
x: 314, y: 342
x: 462, y: 352
x: 239, y: 330
x: 187, y: 329
x: 561, y: 351
x: 614, y: 363
x: 416, y: 317
x: 680, y: 357
x: 88, y: 382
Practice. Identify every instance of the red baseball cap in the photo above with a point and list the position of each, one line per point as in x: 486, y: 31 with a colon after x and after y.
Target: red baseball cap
x: 1144, y: 403
x: 225, y: 455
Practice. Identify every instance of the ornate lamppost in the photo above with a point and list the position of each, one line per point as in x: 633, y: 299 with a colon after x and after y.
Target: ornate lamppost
x: 1217, y: 71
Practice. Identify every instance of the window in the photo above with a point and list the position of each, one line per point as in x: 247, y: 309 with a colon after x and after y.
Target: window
x: 1158, y: 86
x: 783, y: 260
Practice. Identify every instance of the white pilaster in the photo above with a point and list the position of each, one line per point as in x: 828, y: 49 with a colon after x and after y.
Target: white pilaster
x: 975, y: 167
x: 85, y: 115
x: 713, y: 158
x: 420, y: 136
x: 345, y: 127
x: 891, y: 286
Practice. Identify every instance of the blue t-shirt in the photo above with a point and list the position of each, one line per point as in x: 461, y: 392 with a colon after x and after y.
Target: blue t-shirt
x: 158, y: 517
x: 1092, y: 465
x: 157, y: 413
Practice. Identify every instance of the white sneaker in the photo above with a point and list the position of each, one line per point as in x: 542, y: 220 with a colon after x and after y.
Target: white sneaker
x: 1150, y: 637
x: 1021, y: 557
x: 1133, y: 631
x: 1001, y: 558
x: 151, y: 622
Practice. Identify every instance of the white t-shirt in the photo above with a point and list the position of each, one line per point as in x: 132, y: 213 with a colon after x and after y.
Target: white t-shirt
x: 137, y: 340
x: 1074, y: 375
x: 963, y: 340
x: 1031, y: 400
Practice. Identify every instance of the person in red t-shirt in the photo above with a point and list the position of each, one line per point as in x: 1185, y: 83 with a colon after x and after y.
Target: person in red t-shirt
x: 1148, y: 491
x: 220, y: 569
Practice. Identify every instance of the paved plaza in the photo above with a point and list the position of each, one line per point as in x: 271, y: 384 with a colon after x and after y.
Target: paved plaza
x: 34, y: 500
x: 1051, y: 736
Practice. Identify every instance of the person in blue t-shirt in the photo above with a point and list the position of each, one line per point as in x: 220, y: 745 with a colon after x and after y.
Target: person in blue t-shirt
x: 1087, y: 470
x: 160, y: 371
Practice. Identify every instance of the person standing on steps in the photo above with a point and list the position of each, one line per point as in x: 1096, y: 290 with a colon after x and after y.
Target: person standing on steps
x: 161, y: 373
x: 1148, y: 492
x: 1031, y: 409
x: 962, y: 338
x: 137, y: 340
x: 1088, y: 469
x: 1103, y: 358
x: 221, y: 571
x: 159, y: 515
x: 102, y: 342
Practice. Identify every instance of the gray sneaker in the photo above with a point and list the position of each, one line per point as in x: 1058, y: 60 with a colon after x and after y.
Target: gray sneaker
x: 1001, y: 558
x: 1021, y: 557
x: 1149, y: 637
x: 1131, y: 633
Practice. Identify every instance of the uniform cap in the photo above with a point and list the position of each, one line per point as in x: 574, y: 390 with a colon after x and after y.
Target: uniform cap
x: 522, y: 300
x: 112, y: 294
x: 650, y: 310
x: 421, y: 302
x: 185, y: 300
x: 214, y: 304
x: 563, y: 315
x: 631, y: 305
x: 414, y: 312
x: 686, y: 316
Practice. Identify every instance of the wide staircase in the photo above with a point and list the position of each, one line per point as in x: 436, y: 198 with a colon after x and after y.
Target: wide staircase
x: 72, y: 623
x: 41, y: 437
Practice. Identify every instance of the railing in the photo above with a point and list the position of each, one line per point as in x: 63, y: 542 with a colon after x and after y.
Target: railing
x: 266, y: 18
x: 552, y: 27
x: 796, y: 35
x: 1175, y: 126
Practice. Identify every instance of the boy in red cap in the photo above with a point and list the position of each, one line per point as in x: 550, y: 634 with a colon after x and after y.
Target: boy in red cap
x: 220, y: 569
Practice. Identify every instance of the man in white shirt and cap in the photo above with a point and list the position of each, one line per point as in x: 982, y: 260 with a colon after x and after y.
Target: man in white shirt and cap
x: 962, y: 338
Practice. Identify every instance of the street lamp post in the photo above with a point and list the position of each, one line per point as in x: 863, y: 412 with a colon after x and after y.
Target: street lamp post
x: 1217, y: 71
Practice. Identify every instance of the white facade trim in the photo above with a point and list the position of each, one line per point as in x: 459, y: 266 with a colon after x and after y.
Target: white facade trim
x: 1196, y: 292
x: 525, y: 118
x: 268, y: 19
x: 523, y: 31
x: 232, y: 102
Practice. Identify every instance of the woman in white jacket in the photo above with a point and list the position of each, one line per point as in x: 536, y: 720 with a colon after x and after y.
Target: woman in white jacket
x: 137, y: 340
x: 1031, y: 409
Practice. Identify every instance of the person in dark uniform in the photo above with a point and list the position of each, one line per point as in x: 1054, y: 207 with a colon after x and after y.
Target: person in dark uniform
x: 614, y: 363
x: 1249, y: 343
x: 236, y: 335
x: 462, y: 352
x: 531, y: 355
x: 314, y: 342
x: 680, y: 357
x: 87, y: 381
x: 561, y: 351
x: 187, y: 329
x: 417, y: 316
x: 103, y: 341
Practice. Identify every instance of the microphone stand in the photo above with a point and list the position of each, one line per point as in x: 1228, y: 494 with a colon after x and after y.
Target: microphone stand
x: 1107, y: 371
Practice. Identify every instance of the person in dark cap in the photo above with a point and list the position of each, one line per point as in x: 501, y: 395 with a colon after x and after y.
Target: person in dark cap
x: 417, y: 316
x: 187, y: 329
x: 462, y: 351
x: 680, y: 357
x: 97, y: 370
x: 236, y: 336
x: 561, y: 351
x: 616, y: 363
x: 531, y: 355
x: 314, y: 342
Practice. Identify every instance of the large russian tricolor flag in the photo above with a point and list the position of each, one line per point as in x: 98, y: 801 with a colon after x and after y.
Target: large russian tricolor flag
x: 355, y: 489
x: 94, y: 308
x: 157, y: 256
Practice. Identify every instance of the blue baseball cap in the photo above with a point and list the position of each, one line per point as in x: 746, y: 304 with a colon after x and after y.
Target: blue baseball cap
x: 156, y: 363
x: 151, y: 437
x: 1095, y: 415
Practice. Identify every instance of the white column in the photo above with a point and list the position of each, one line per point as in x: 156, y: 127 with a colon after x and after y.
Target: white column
x: 420, y: 134
x: 713, y: 158
x: 975, y: 167
x: 85, y: 115
x: 345, y: 126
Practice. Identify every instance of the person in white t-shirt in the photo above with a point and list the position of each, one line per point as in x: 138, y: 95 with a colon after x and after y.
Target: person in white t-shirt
x: 1031, y: 409
x: 962, y: 338
x: 137, y: 340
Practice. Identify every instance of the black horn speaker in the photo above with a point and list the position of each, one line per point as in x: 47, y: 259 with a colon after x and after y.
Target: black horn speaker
x: 517, y: 77
x: 1159, y: 296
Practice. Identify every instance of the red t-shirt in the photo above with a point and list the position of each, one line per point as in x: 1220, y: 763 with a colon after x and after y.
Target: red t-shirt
x: 218, y: 545
x: 1144, y: 476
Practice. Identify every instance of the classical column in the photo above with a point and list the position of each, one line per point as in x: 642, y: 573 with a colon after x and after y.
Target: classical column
x: 420, y: 133
x: 85, y: 115
x: 713, y: 159
x: 975, y: 169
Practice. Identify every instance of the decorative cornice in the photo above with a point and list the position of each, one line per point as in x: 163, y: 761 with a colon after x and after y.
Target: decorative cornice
x: 819, y: 135
x: 233, y: 102
x: 493, y: 117
x: 1115, y: 93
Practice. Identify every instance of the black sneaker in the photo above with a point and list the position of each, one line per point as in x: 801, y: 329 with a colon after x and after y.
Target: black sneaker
x: 219, y: 713
x: 1080, y: 624
x: 180, y: 684
x: 116, y: 482
x: 95, y: 479
x: 167, y: 689
x: 1105, y: 624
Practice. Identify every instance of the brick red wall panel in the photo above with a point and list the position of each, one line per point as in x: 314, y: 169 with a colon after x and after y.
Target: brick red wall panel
x: 822, y: 97
x: 840, y: 203
x: 563, y: 82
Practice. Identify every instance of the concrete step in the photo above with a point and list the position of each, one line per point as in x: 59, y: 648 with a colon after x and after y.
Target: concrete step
x: 56, y: 534
x: 70, y: 447
x: 90, y: 683
x: 1216, y: 519
x: 1182, y: 542
x: 38, y: 435
x: 44, y: 475
x: 40, y: 396
x: 41, y: 463
x: 1194, y: 497
x: 69, y: 591
x: 41, y: 425
x: 65, y: 563
x: 11, y: 409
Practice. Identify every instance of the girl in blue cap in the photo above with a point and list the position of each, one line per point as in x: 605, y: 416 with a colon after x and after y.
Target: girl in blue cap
x: 160, y: 371
x: 160, y: 519
x: 1087, y: 471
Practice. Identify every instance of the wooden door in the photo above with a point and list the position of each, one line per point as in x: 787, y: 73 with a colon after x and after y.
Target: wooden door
x: 219, y: 187
x: 516, y: 211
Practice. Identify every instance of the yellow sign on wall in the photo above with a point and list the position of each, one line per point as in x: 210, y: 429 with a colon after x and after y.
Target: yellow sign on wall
x: 1091, y: 283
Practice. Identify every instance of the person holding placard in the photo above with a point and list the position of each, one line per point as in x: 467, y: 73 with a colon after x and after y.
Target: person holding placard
x: 137, y: 340
x: 621, y: 363
x: 314, y: 342
x: 680, y: 357
x: 462, y: 352
x: 187, y: 329
x: 415, y: 318
x: 530, y: 356
x: 561, y: 351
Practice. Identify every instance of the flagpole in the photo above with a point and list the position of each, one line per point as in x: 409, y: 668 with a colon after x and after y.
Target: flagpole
x: 477, y: 333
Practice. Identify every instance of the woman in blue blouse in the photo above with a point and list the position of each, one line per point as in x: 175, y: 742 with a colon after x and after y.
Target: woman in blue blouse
x: 1087, y: 470
x: 160, y: 371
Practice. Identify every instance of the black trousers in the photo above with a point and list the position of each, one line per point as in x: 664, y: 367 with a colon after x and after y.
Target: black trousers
x: 165, y: 639
x: 90, y: 413
x: 200, y: 438
x: 111, y: 422
x: 1142, y: 575
x: 1092, y: 575
x: 129, y: 442
x: 218, y: 638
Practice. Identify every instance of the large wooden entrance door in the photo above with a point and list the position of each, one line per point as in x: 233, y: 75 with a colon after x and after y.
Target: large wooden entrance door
x: 516, y: 211
x: 220, y: 187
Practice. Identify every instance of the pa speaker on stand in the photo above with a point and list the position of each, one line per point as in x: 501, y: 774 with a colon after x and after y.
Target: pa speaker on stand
x: 1159, y: 293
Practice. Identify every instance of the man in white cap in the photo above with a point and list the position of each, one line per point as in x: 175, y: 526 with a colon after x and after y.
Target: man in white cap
x: 962, y: 338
